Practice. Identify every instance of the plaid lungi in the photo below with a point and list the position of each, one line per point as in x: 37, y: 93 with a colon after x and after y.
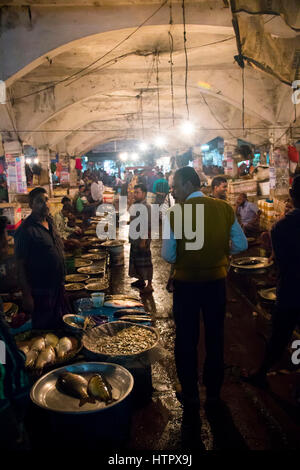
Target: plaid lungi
x: 140, y: 262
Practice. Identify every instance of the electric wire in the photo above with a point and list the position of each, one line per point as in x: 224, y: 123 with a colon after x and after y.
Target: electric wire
x: 97, y: 60
x: 171, y: 44
x: 186, y: 61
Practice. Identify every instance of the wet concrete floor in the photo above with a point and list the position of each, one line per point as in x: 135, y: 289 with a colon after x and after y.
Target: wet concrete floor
x: 253, y: 419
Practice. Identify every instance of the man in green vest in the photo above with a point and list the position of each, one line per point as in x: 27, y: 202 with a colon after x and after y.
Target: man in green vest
x: 199, y: 234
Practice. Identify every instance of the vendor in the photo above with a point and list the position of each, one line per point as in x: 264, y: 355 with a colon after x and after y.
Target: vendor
x: 65, y: 232
x: 82, y: 205
x: 160, y: 188
x: 248, y: 215
x: 40, y: 262
x: 219, y: 187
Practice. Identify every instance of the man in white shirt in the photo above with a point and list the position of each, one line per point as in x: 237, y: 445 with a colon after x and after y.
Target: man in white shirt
x: 96, y: 189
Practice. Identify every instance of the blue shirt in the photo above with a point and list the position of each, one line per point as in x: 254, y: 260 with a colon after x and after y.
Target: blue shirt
x: 169, y: 244
x: 247, y: 212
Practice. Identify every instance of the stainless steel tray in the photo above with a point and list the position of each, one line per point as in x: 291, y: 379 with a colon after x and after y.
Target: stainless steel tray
x: 261, y: 263
x: 45, y: 394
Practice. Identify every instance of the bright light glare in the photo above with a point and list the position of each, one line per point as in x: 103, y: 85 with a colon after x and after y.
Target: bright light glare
x: 134, y: 156
x: 144, y: 146
x: 123, y: 156
x: 187, y: 127
x: 205, y: 147
x: 28, y: 161
x: 36, y: 160
x: 160, y: 141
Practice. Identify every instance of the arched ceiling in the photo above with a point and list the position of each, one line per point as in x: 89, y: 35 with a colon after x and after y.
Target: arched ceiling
x: 117, y: 98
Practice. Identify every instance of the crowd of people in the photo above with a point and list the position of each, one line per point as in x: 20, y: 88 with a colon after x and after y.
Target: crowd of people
x: 197, y: 276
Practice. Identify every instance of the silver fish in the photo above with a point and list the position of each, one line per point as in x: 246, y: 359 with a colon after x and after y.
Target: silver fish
x: 31, y: 358
x: 63, y: 346
x: 47, y: 356
x: 38, y: 344
x: 51, y: 339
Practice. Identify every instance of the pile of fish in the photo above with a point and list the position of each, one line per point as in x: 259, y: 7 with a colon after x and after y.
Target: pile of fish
x: 45, y: 350
x: 132, y: 340
x: 88, y: 391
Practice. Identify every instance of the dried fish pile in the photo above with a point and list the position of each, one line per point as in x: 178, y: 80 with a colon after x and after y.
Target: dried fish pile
x: 132, y: 340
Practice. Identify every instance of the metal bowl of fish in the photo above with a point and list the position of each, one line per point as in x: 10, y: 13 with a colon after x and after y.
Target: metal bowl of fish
x: 77, y: 277
x: 120, y: 340
x: 83, y: 388
x: 74, y: 323
x: 45, y: 349
x: 94, y: 256
x: 79, y: 263
x: 251, y: 263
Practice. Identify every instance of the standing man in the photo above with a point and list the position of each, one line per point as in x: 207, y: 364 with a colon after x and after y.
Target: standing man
x: 40, y: 261
x: 160, y: 188
x: 219, y: 188
x: 285, y: 236
x: 96, y: 190
x: 248, y: 215
x: 140, y: 262
x: 199, y: 283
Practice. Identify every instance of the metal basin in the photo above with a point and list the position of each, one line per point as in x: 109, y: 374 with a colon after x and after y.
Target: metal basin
x: 45, y: 394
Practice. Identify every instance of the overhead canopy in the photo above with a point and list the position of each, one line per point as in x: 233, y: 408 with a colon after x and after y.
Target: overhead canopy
x: 95, y: 74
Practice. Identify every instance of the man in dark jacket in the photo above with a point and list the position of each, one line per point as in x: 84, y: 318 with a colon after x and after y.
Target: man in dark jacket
x: 40, y: 260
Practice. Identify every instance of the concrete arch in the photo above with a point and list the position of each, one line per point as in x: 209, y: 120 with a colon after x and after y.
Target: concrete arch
x: 62, y: 27
x: 85, y: 104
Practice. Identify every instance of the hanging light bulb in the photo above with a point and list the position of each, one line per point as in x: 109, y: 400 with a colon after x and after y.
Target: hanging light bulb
x: 123, y: 156
x: 36, y: 161
x: 28, y: 161
x: 160, y: 141
x: 135, y: 156
x: 187, y: 128
x: 143, y: 146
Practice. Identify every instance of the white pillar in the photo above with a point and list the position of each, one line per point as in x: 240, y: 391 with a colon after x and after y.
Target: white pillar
x: 279, y: 164
x: 45, y: 176
x: 16, y: 177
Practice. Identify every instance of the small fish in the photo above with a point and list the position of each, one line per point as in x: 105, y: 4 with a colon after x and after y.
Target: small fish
x: 31, y: 358
x: 74, y: 385
x: 47, y: 356
x: 25, y: 349
x: 51, y: 340
x: 38, y: 344
x: 63, y: 346
x: 99, y: 388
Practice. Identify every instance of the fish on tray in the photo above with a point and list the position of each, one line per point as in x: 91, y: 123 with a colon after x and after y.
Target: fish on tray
x: 63, y: 347
x: 248, y: 262
x: 47, y: 356
x: 130, y: 311
x: 38, y: 344
x: 115, y: 303
x: 51, y: 340
x: 74, y: 385
x: 100, y: 388
x: 31, y: 358
x: 135, y: 318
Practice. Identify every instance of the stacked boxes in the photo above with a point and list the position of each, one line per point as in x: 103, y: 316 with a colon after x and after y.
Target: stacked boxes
x: 268, y: 214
